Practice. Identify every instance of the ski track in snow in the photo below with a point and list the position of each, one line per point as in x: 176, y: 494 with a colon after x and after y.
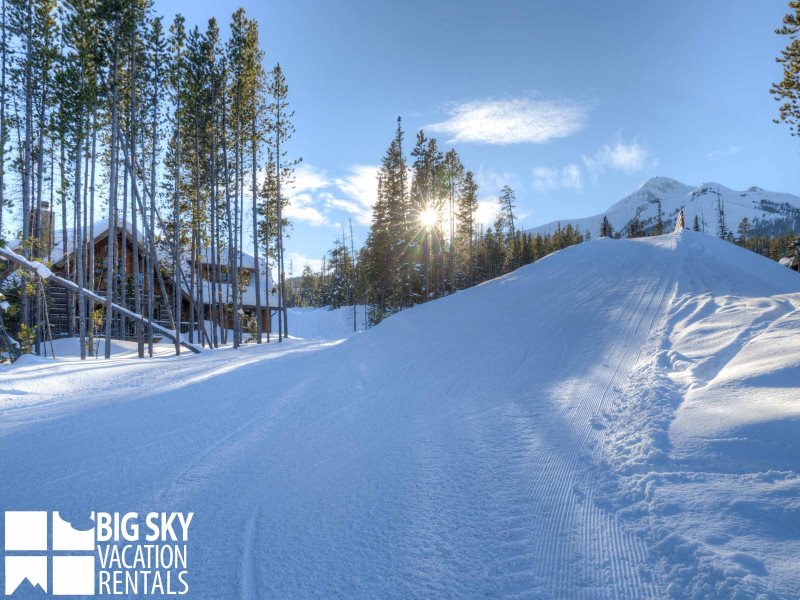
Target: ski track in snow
x: 489, y: 444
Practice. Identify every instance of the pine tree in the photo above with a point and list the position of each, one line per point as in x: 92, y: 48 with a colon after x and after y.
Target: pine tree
x: 465, y: 235
x: 507, y: 203
x: 281, y: 130
x: 156, y: 60
x: 787, y: 91
x: 388, y: 256
x: 605, y: 228
x: 659, y: 227
x: 177, y: 67
x: 424, y: 228
x: 453, y: 171
x: 722, y: 228
x: 635, y: 227
x: 4, y: 54
x: 744, y: 231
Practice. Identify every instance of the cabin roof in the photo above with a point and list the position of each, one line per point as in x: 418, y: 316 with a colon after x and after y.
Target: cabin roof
x: 100, y: 232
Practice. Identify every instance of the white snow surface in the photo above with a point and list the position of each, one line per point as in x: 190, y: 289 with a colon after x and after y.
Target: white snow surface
x: 699, y: 201
x: 323, y: 323
x: 618, y: 420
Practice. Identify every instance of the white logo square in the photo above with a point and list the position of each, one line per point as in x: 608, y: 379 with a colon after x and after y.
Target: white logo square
x: 73, y: 575
x: 20, y: 568
x: 26, y: 530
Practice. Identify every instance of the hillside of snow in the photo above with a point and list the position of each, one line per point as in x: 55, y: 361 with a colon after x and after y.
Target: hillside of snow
x: 324, y: 323
x: 618, y: 420
x: 770, y: 213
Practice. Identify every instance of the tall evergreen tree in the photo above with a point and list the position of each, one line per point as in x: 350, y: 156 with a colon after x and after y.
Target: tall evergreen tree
x: 787, y: 91
x: 507, y: 201
x: 605, y: 228
x: 281, y: 129
x: 744, y: 231
x: 659, y: 226
x: 465, y: 234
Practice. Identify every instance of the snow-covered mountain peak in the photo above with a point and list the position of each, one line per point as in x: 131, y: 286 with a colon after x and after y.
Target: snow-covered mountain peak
x: 660, y: 184
x: 770, y: 213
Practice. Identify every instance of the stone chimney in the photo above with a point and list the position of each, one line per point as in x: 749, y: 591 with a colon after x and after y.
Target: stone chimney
x: 46, y: 227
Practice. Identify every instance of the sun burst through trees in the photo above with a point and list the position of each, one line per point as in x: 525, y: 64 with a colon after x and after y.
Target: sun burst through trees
x: 428, y: 217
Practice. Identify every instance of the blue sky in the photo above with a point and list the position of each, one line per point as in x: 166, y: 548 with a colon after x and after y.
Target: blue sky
x: 573, y: 104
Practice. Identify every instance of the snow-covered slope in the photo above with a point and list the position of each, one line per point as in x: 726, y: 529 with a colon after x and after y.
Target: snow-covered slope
x: 617, y: 420
x: 323, y: 323
x: 768, y: 212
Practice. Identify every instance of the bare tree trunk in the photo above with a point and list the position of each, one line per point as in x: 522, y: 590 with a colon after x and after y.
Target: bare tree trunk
x: 214, y: 241
x: 26, y: 162
x: 123, y: 252
x: 176, y: 255
x: 112, y: 204
x: 279, y: 242
x: 64, y: 232
x: 152, y: 261
x: 238, y: 258
x: 194, y: 283
x: 39, y: 250
x: 91, y: 261
x: 228, y: 215
x: 79, y: 237
x: 3, y: 124
x: 353, y: 269
x: 233, y: 285
x: 254, y: 150
x: 452, y: 236
x: 137, y: 284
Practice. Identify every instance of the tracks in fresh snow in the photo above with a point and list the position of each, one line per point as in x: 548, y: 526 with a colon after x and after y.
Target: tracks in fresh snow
x: 561, y: 542
x: 425, y: 491
x: 426, y: 458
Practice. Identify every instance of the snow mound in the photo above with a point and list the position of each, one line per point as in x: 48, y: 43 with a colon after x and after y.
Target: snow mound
x: 617, y: 420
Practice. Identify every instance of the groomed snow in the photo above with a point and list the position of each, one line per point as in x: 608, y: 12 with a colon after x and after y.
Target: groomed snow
x: 324, y: 323
x: 617, y: 420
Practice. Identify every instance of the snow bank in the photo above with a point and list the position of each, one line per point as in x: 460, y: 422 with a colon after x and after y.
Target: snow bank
x: 323, y: 323
x: 69, y: 349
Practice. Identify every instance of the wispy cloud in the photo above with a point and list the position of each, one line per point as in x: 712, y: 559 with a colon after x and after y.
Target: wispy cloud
x: 512, y: 121
x: 628, y: 157
x: 625, y: 157
x: 356, y: 192
x: 572, y: 177
x: 302, y: 196
x: 549, y: 178
x: 487, y: 211
x: 298, y: 261
x: 491, y: 182
x: 618, y: 155
x: 315, y: 196
x: 724, y: 152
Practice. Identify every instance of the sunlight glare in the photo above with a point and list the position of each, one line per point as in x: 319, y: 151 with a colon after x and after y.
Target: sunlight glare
x: 428, y: 217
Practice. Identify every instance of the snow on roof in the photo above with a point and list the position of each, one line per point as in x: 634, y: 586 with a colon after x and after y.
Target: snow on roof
x: 99, y: 229
x: 247, y: 261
